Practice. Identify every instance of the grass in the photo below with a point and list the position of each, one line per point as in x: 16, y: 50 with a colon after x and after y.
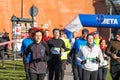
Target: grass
x: 15, y: 71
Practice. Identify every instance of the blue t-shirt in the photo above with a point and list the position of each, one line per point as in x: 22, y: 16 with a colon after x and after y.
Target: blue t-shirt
x: 79, y: 43
x: 25, y: 43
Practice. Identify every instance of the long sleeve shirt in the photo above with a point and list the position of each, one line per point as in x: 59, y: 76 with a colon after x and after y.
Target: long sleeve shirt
x: 79, y: 43
x: 38, y: 57
x: 90, y: 54
x: 55, y: 46
x: 113, y: 48
x: 25, y: 43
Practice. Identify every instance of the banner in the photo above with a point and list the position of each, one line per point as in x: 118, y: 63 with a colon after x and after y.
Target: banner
x: 100, y: 20
x: 91, y: 20
x: 17, y: 30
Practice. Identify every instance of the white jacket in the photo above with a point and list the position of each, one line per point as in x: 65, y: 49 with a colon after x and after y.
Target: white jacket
x: 90, y: 54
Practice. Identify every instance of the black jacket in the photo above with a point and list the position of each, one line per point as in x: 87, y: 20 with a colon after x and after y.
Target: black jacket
x: 56, y: 43
x: 2, y: 46
x: 38, y: 57
x: 112, y: 48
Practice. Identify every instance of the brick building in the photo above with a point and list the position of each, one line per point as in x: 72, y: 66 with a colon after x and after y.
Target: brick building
x: 55, y: 13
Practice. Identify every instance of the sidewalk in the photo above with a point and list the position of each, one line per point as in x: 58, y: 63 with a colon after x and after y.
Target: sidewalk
x: 68, y: 73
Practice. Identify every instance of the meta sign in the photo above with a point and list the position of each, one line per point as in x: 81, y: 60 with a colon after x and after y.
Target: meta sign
x: 108, y: 21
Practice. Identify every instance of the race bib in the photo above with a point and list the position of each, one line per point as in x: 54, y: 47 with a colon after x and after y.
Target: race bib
x: 56, y: 50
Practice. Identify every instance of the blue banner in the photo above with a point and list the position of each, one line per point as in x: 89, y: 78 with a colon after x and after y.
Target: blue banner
x: 100, y: 20
x: 91, y: 20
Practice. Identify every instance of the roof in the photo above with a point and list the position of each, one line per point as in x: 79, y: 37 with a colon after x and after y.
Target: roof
x: 17, y: 19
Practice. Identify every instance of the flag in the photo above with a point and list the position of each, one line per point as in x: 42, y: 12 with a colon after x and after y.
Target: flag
x: 74, y: 25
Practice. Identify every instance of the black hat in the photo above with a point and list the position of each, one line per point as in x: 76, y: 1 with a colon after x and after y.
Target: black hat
x: 85, y: 31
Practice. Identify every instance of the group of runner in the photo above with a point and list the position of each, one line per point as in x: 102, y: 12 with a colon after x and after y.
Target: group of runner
x: 88, y: 55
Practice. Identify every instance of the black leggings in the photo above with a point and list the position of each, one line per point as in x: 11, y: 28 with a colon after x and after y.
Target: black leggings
x: 102, y: 73
x: 34, y: 76
x: 54, y: 67
x: 115, y: 72
x: 26, y: 67
x: 89, y: 75
x: 63, y: 67
x: 2, y: 57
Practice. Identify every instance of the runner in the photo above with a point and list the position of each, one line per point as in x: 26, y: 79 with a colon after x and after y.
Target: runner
x: 90, y: 56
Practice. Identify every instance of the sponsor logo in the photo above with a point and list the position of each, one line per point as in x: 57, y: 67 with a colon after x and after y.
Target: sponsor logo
x: 102, y: 20
x: 110, y: 21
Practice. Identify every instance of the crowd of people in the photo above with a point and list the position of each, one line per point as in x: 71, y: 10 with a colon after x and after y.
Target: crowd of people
x: 89, y: 55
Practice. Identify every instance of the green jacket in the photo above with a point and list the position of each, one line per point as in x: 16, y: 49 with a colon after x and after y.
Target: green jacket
x: 112, y: 48
x: 97, y: 41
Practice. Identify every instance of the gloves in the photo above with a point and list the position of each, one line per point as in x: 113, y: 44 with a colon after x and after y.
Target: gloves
x: 97, y: 60
x: 106, y: 58
x: 83, y: 62
x: 118, y: 53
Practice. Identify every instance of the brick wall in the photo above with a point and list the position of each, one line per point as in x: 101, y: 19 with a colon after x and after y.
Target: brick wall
x: 56, y: 13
